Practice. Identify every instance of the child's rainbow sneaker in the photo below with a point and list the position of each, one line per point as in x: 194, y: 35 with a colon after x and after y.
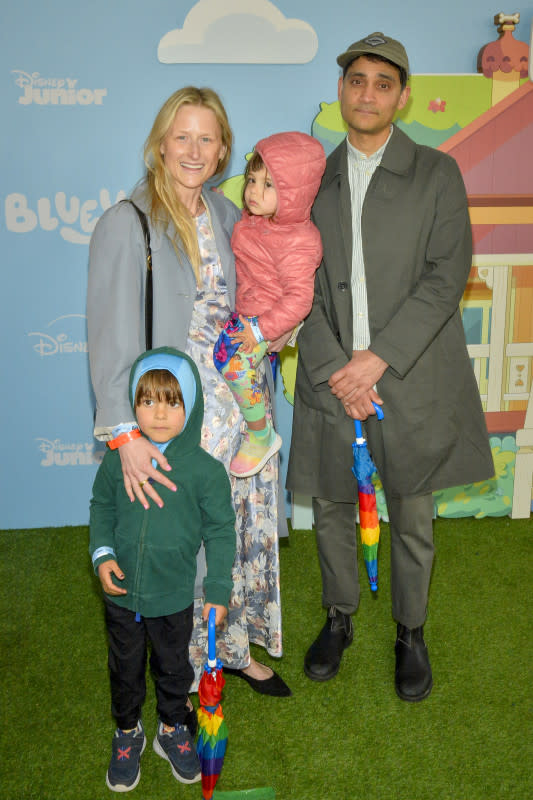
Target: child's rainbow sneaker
x: 253, y: 454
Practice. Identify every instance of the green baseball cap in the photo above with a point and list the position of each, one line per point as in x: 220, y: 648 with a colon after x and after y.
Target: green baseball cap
x: 376, y: 44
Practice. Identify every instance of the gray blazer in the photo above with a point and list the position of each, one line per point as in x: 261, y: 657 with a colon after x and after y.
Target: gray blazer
x: 115, y: 308
x: 417, y: 251
x: 115, y: 297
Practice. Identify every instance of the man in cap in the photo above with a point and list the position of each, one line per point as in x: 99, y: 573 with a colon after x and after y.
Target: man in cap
x: 385, y: 328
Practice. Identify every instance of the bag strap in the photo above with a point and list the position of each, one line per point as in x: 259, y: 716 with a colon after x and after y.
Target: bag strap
x: 149, y: 290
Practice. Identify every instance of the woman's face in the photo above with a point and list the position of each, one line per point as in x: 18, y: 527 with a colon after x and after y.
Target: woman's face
x: 192, y: 147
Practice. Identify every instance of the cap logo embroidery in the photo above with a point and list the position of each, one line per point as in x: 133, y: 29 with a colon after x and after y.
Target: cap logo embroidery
x: 375, y: 41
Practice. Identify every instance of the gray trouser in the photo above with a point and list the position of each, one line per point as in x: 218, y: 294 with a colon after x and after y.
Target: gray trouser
x: 411, y: 528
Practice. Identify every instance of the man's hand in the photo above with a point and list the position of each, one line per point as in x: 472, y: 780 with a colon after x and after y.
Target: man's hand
x: 354, y: 383
x: 278, y: 344
x: 136, y: 459
x: 105, y: 571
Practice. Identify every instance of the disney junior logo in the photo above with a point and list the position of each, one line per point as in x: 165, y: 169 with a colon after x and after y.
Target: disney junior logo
x: 64, y: 454
x: 60, y: 342
x: 54, y: 91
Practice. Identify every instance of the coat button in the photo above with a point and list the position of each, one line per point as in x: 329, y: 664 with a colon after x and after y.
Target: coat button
x: 342, y: 286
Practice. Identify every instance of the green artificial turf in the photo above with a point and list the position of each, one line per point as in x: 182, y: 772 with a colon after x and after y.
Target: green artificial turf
x: 348, y: 738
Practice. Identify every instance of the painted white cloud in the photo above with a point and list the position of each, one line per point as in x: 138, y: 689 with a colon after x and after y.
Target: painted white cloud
x: 238, y: 32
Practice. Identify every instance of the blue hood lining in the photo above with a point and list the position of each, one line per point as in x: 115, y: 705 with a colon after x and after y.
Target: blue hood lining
x: 178, y: 367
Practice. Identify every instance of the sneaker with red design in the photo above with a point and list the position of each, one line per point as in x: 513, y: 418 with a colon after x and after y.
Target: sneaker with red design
x: 124, y: 770
x: 177, y: 747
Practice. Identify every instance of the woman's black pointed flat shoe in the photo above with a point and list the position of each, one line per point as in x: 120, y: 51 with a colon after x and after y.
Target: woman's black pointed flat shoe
x: 274, y: 686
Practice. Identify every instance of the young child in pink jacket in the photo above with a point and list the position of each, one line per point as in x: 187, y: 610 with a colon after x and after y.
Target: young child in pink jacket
x: 277, y: 251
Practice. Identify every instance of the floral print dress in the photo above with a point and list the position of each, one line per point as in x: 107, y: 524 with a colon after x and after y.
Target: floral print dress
x: 254, y: 612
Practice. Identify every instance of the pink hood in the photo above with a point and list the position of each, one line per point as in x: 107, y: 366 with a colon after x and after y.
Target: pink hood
x: 276, y: 259
x: 296, y: 163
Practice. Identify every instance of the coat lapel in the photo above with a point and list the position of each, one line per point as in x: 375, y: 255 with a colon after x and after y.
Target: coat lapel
x: 345, y: 216
x: 338, y: 188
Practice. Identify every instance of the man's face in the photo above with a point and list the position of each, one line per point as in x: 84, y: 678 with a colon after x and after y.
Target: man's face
x: 369, y: 95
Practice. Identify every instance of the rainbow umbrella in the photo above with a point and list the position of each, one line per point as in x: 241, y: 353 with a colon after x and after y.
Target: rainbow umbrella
x: 212, y: 730
x: 363, y: 469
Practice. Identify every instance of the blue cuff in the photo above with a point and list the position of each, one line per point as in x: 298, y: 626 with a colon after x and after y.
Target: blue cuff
x: 123, y: 427
x: 102, y: 551
x: 256, y: 330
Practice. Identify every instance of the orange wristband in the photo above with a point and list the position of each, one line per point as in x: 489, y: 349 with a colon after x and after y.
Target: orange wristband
x: 128, y: 436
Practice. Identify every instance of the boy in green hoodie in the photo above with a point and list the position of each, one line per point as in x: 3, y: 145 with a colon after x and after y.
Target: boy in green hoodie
x: 146, y: 562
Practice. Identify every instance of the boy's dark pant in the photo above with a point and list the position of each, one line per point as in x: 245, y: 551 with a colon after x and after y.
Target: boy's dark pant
x: 169, y: 662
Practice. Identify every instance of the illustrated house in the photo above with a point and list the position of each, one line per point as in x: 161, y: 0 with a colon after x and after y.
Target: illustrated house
x: 495, y: 155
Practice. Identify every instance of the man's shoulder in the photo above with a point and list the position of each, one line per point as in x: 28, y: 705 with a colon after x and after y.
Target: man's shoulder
x: 433, y: 156
x: 336, y: 164
x: 421, y: 153
x: 406, y: 158
x: 335, y: 161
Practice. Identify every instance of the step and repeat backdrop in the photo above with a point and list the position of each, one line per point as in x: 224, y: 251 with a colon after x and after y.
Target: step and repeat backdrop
x: 79, y: 88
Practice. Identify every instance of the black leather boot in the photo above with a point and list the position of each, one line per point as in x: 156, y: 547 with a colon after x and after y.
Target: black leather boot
x: 412, y: 679
x: 323, y: 659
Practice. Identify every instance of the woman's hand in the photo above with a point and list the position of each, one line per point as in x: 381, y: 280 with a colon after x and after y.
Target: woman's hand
x: 105, y: 571
x: 221, y: 612
x: 136, y: 459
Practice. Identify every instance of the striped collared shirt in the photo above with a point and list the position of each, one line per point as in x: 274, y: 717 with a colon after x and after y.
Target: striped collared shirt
x: 360, y: 171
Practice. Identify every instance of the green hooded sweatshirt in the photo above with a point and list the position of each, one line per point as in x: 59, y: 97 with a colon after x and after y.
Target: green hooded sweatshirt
x: 156, y: 548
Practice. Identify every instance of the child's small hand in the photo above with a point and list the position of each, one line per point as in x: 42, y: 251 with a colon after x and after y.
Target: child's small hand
x: 105, y: 570
x: 220, y: 615
x: 245, y: 337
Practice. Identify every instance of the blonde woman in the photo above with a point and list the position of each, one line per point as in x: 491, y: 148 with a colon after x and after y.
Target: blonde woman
x: 193, y: 293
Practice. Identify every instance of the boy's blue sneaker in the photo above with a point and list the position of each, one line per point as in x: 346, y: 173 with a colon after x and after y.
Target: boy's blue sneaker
x: 178, y: 747
x: 124, y: 770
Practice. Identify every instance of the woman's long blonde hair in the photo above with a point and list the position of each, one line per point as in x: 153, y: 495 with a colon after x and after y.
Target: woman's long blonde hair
x: 162, y: 198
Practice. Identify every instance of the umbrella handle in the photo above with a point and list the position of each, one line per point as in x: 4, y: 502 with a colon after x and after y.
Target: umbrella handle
x: 211, y: 643
x: 379, y: 410
x: 357, y: 423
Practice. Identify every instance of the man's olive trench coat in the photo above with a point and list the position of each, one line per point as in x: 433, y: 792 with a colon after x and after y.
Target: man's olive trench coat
x: 417, y: 253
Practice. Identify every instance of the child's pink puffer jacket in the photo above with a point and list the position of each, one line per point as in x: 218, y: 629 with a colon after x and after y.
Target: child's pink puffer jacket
x: 276, y: 258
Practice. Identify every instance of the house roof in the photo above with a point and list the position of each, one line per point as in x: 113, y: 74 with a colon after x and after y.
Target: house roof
x: 486, y: 134
x: 494, y: 156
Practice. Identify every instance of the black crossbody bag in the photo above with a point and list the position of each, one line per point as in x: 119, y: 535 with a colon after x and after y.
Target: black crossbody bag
x: 149, y: 291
